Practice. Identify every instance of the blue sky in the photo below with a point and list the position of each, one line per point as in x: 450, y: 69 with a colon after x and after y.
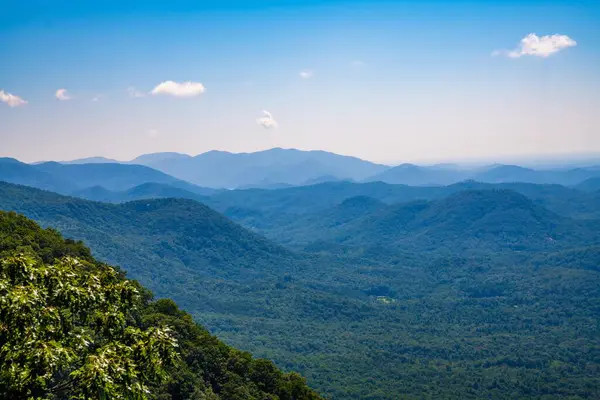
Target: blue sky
x: 387, y: 81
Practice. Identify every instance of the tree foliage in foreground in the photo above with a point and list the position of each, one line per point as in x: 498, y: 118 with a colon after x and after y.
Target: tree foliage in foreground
x: 67, y: 333
x: 72, y: 327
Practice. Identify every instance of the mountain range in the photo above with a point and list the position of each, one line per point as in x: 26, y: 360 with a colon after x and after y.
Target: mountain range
x: 277, y: 168
x: 414, y: 175
x: 75, y: 177
x: 116, y: 183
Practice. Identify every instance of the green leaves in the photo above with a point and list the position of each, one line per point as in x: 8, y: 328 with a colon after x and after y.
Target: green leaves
x: 76, y: 329
x: 67, y: 332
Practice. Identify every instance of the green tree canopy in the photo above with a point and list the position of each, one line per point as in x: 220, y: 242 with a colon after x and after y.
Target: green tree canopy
x: 66, y: 332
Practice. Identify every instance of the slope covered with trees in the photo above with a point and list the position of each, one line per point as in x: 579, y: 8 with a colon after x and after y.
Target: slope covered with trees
x: 369, y: 318
x: 310, y: 199
x: 72, y: 327
x: 468, y: 220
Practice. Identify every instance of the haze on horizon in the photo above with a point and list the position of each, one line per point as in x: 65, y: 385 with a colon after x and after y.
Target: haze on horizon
x: 387, y: 81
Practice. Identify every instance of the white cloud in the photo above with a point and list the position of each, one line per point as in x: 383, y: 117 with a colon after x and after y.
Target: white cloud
x: 267, y: 120
x: 306, y: 74
x: 133, y: 92
x: 11, y: 99
x: 97, y: 98
x: 183, y: 89
x: 533, y: 45
x: 61, y: 94
x: 153, y: 133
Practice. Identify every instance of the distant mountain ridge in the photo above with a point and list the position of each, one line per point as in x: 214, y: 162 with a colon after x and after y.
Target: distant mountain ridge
x: 278, y: 168
x: 75, y: 178
x: 414, y: 175
x: 222, y: 169
x: 14, y: 171
x: 148, y: 190
x: 409, y: 174
x: 91, y: 160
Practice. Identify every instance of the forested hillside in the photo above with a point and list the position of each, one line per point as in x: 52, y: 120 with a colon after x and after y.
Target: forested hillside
x: 309, y: 199
x: 161, y: 353
x: 515, y: 316
x: 482, y: 221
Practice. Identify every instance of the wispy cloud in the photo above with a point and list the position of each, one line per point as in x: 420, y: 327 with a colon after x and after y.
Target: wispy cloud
x: 533, y: 45
x: 307, y: 74
x: 133, y: 92
x: 358, y: 64
x: 62, y: 94
x: 11, y: 99
x: 97, y: 98
x: 267, y: 120
x: 153, y: 133
x: 183, y: 89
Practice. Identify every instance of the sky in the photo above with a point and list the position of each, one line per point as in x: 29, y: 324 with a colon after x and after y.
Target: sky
x: 387, y: 81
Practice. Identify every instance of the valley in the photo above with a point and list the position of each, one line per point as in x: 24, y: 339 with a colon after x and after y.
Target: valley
x: 471, y: 290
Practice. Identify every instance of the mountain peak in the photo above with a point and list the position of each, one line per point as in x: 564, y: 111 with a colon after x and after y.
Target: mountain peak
x: 91, y: 160
x: 153, y: 158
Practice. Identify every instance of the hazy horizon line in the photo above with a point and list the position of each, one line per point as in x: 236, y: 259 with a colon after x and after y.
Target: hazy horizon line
x: 528, y: 159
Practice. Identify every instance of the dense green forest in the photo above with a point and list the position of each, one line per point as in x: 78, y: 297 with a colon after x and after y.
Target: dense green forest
x: 72, y: 327
x: 466, y: 294
x: 471, y: 220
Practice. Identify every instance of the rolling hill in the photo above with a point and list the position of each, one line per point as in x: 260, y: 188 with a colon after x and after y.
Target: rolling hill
x: 277, y: 204
x: 413, y: 175
x: 589, y: 185
x: 186, y: 233
x: 149, y: 190
x: 480, y: 220
x: 507, y: 173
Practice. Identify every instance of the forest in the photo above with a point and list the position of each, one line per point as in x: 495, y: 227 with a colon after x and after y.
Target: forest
x: 481, y: 293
